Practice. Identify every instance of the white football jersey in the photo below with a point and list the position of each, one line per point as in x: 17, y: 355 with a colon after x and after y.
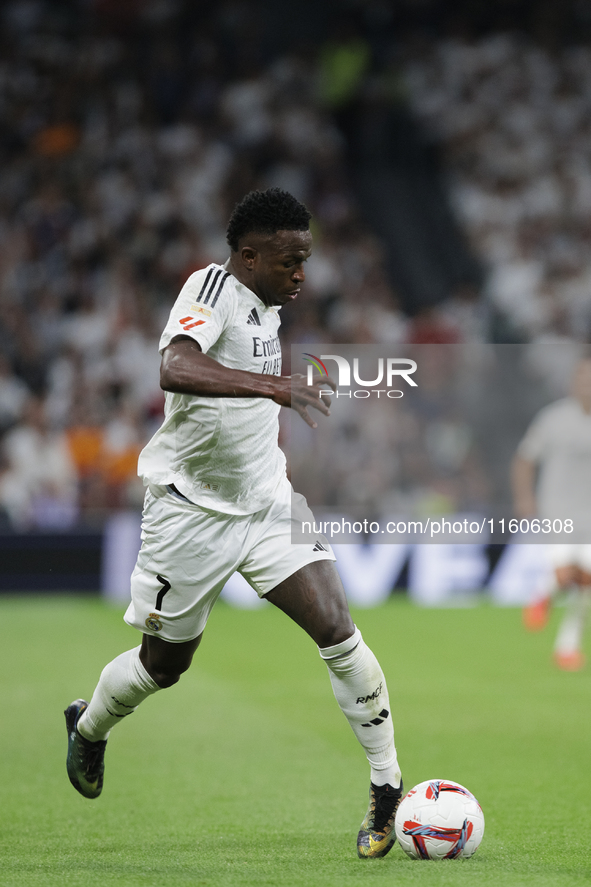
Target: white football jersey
x: 221, y: 452
x: 559, y: 442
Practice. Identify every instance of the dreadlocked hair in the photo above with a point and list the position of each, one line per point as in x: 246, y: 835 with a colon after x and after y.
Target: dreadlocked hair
x: 266, y: 212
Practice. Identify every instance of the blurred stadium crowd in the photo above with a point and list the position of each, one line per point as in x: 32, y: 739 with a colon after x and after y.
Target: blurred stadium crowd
x: 129, y: 130
x: 515, y: 119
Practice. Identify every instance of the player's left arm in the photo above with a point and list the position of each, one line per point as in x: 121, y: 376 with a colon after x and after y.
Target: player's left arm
x: 185, y: 369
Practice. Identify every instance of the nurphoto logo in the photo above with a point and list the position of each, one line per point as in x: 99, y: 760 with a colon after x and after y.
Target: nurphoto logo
x: 389, y: 371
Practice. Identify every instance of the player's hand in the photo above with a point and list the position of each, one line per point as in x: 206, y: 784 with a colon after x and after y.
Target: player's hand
x: 294, y: 391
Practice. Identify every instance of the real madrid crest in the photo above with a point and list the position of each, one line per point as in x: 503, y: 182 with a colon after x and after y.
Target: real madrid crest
x: 153, y: 622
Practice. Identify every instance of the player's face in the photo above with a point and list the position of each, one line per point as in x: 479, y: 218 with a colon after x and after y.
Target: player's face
x: 276, y: 265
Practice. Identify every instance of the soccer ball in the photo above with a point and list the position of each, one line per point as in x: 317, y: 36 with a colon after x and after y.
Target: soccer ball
x: 439, y: 819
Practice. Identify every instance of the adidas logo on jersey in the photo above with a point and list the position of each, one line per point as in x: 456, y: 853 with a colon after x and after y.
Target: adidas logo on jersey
x: 253, y: 318
x: 320, y: 547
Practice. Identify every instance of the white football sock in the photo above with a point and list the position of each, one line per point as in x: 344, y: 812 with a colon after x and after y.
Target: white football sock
x: 570, y: 633
x: 123, y: 684
x: 360, y: 689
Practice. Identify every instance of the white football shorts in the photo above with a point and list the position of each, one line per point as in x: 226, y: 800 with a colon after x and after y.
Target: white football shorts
x: 188, y: 554
x: 570, y: 554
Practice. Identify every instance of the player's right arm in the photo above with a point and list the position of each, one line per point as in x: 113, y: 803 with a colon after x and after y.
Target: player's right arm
x: 185, y: 369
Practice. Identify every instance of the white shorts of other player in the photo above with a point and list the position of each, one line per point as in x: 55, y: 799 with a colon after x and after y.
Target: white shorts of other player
x: 570, y: 554
x: 188, y: 554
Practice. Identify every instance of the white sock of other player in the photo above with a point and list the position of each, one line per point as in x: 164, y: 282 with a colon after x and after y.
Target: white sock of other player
x: 570, y: 632
x: 123, y: 684
x: 360, y: 689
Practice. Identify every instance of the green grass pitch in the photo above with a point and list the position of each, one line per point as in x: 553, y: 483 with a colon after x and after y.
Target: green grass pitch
x: 246, y: 772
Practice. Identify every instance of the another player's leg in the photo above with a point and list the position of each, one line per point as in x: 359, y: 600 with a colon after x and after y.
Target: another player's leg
x: 560, y: 578
x: 568, y: 652
x: 124, y: 683
x: 314, y: 598
x: 537, y: 612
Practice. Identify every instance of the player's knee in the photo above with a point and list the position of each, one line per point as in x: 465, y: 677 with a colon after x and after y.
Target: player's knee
x: 166, y: 674
x: 335, y: 632
x: 165, y: 679
x: 165, y: 662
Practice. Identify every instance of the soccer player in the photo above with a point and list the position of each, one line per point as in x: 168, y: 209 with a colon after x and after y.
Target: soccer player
x: 218, y: 500
x: 557, y: 445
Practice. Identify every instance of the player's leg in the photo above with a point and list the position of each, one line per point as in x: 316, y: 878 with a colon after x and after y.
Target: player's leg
x: 568, y: 653
x: 166, y: 662
x: 173, y: 587
x: 537, y: 612
x: 132, y: 677
x: 124, y: 683
x: 561, y: 577
x: 315, y: 599
x: 302, y: 581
